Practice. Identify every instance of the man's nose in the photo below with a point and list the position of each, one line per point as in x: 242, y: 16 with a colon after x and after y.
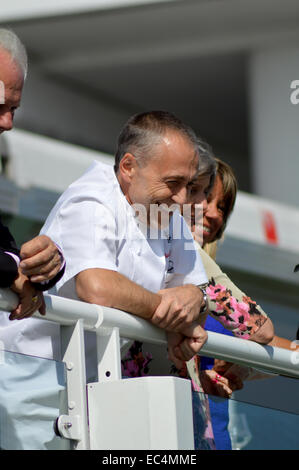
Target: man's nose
x: 6, y: 121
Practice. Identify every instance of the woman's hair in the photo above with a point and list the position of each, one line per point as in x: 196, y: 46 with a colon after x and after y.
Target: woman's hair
x: 207, y: 163
x: 229, y: 184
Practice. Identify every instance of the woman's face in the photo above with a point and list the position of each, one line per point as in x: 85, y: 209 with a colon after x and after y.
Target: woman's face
x: 213, y: 213
x: 198, y: 200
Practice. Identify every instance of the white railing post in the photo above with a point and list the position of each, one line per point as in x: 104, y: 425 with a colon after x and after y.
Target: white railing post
x: 108, y: 353
x: 74, y: 425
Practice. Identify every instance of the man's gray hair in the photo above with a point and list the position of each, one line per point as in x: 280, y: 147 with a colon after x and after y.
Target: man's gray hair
x: 144, y: 131
x: 12, y: 44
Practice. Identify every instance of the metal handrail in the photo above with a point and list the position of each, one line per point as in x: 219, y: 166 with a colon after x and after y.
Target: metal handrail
x: 97, y: 318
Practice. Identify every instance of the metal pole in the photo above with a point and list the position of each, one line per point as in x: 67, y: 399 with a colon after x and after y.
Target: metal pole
x: 251, y: 354
x: 248, y: 353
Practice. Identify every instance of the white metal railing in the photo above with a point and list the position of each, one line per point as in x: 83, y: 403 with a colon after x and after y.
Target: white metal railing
x: 68, y: 312
x: 109, y: 325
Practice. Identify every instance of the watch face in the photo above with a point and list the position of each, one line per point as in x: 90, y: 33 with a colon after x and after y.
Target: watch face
x: 204, y: 303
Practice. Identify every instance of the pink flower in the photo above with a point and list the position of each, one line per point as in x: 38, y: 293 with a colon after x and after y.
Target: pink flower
x: 211, y: 291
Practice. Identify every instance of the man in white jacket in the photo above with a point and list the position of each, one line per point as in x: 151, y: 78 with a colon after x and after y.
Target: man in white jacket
x: 114, y: 255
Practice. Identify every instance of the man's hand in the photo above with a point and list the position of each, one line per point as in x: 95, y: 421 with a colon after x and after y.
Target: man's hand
x: 30, y: 300
x: 41, y: 259
x: 179, y: 308
x: 183, y: 346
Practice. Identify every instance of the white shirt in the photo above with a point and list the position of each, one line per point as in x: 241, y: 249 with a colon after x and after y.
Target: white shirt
x: 95, y: 227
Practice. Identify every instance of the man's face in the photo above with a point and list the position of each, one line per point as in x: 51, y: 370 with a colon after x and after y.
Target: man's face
x: 11, y: 86
x: 166, y: 177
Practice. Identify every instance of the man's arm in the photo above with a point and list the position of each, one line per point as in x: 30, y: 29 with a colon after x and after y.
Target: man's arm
x: 7, y: 241
x: 112, y: 289
x: 12, y: 277
x: 9, y: 257
x: 172, y: 309
x: 8, y: 268
x: 41, y: 262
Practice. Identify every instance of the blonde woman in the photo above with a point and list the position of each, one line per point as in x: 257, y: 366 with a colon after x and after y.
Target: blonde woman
x: 221, y: 290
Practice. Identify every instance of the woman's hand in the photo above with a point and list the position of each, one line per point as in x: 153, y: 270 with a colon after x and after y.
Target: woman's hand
x: 215, y: 384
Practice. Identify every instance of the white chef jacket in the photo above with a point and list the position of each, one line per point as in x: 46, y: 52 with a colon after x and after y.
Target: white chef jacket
x: 95, y: 227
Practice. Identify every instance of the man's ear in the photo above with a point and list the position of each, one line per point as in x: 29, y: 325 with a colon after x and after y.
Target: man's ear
x: 127, y: 166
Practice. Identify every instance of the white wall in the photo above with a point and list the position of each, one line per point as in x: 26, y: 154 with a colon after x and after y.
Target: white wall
x: 54, y: 109
x: 40, y: 162
x: 20, y: 9
x: 275, y: 124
